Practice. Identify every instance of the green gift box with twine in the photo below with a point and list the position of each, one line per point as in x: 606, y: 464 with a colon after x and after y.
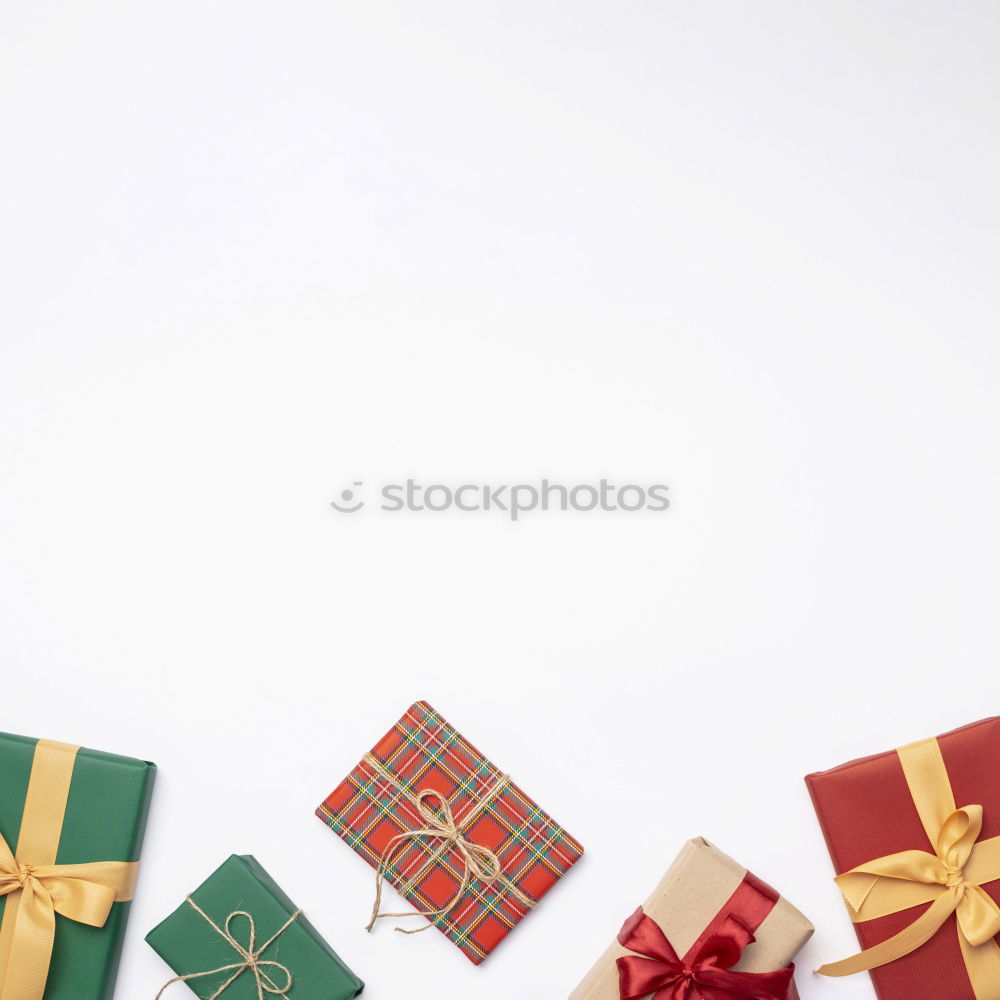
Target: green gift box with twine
x: 71, y: 827
x: 239, y: 937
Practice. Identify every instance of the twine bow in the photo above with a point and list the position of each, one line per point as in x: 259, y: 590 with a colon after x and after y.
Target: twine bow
x: 950, y: 879
x: 656, y: 971
x: 37, y: 889
x: 440, y: 824
x: 261, y: 969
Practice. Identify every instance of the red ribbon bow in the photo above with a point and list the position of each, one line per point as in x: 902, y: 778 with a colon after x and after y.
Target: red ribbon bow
x: 705, y: 972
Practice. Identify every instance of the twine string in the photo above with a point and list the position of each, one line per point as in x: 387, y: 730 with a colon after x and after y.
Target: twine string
x: 263, y: 970
x: 440, y: 824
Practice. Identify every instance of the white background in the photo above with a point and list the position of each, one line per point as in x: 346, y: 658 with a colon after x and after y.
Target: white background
x: 253, y: 252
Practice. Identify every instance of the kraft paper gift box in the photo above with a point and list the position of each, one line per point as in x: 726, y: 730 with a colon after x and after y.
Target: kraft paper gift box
x: 450, y: 831
x: 71, y: 828
x: 929, y: 815
x: 705, y: 893
x: 296, y: 963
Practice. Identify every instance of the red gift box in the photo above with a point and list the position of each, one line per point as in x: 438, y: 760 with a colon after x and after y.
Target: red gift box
x: 867, y: 811
x: 454, y: 835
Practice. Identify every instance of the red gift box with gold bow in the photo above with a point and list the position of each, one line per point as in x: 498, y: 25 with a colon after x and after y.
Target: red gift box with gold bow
x: 914, y: 835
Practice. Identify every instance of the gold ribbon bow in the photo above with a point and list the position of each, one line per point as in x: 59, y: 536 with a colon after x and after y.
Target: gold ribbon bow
x: 950, y: 879
x: 250, y: 961
x: 478, y: 862
x: 36, y: 888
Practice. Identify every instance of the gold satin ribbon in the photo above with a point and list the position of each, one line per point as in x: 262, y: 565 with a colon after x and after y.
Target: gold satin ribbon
x: 950, y: 880
x: 477, y: 861
x: 37, y: 888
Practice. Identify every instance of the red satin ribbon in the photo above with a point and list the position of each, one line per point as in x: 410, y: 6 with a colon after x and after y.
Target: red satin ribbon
x: 655, y: 971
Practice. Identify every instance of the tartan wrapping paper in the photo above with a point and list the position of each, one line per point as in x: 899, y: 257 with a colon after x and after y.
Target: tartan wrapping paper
x: 423, y: 751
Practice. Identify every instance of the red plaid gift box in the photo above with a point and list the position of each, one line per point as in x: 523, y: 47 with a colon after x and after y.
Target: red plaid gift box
x: 395, y: 808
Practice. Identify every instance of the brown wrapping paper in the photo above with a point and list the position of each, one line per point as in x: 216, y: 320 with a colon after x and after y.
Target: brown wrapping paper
x: 694, y: 889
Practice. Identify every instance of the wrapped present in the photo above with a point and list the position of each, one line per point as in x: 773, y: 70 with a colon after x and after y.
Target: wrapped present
x: 239, y: 937
x: 918, y: 872
x: 710, y: 929
x: 450, y: 831
x: 71, y: 827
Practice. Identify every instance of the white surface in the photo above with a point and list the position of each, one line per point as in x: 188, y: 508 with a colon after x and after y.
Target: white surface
x: 253, y: 252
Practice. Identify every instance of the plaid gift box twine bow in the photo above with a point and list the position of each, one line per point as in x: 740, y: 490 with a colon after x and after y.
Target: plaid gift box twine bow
x: 450, y: 831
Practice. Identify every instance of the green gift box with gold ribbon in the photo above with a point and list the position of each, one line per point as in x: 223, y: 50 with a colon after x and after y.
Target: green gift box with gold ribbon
x: 239, y: 937
x: 71, y: 828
